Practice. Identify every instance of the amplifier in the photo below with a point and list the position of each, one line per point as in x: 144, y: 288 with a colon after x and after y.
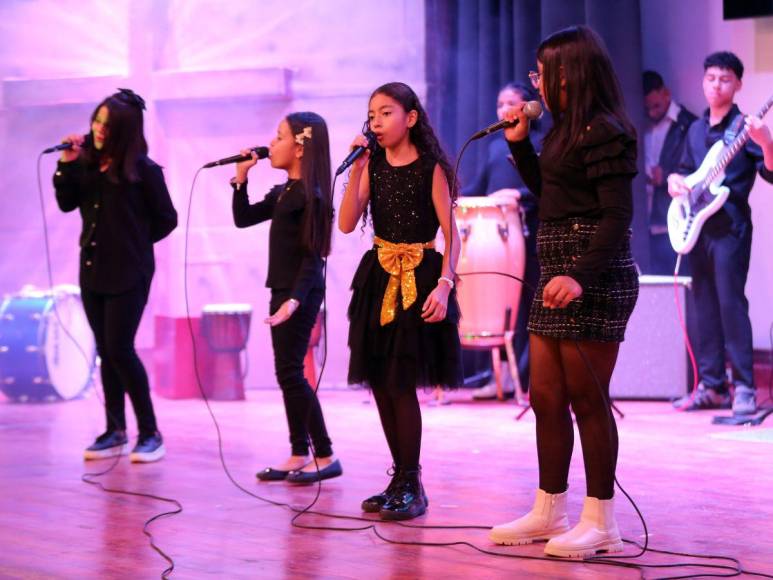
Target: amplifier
x: 653, y: 361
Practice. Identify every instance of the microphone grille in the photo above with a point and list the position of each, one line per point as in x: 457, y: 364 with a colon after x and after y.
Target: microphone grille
x: 262, y: 152
x: 532, y: 109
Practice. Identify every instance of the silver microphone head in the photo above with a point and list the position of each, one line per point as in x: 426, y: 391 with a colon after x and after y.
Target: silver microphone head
x: 533, y: 109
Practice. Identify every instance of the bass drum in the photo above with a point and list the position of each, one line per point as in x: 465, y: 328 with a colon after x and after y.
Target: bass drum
x: 47, y: 350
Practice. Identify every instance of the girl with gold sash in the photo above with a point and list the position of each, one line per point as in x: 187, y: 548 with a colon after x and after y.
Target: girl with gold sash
x: 403, y: 314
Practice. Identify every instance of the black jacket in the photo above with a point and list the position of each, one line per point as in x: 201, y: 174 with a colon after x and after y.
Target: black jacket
x: 290, y: 265
x: 670, y: 157
x: 121, y: 222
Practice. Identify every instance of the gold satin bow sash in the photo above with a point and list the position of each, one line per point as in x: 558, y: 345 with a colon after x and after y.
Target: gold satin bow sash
x: 399, y: 261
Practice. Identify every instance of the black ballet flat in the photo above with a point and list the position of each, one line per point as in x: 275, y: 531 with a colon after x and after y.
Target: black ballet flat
x: 305, y: 477
x: 271, y: 474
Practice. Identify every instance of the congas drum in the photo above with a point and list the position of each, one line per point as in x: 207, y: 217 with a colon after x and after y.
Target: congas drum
x: 47, y: 350
x: 492, y: 241
x: 226, y: 328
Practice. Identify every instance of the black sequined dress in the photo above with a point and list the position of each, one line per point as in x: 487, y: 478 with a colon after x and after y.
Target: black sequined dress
x: 407, y: 352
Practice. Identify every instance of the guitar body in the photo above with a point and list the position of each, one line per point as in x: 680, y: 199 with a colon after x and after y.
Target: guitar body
x: 688, y: 213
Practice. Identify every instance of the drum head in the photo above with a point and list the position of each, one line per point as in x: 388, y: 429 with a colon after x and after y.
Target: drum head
x: 70, y: 350
x: 234, y: 308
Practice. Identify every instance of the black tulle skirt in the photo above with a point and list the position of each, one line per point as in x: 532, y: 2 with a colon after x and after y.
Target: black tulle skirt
x: 406, y: 353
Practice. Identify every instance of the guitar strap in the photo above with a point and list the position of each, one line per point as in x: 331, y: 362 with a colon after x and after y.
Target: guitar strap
x: 732, y: 131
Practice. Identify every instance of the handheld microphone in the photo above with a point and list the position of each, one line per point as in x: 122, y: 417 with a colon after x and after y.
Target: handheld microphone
x: 60, y: 147
x: 532, y: 109
x: 357, y: 151
x: 262, y: 153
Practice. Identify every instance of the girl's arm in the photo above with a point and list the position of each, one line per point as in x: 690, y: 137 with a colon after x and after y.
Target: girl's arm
x: 436, y: 305
x: 244, y: 213
x: 357, y: 192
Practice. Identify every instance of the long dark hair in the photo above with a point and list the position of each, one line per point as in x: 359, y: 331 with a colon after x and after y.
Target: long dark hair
x: 592, y: 87
x: 421, y: 134
x: 125, y: 143
x: 315, y: 176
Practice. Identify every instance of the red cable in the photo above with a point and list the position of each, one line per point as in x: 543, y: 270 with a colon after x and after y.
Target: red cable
x: 687, y: 343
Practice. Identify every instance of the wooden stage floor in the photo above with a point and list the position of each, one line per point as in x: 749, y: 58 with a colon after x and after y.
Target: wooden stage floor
x: 702, y: 488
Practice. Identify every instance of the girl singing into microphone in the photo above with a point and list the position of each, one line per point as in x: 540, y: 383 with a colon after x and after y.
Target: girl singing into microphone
x: 126, y: 208
x: 587, y: 289
x: 403, y: 314
x: 301, y: 214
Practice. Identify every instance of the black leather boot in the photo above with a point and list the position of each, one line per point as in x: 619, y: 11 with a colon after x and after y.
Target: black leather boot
x: 408, y: 499
x: 374, y: 503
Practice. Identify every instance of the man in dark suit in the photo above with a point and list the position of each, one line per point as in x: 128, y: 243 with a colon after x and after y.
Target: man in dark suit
x: 664, y: 142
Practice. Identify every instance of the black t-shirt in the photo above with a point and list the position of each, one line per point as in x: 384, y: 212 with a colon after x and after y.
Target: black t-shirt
x: 740, y: 172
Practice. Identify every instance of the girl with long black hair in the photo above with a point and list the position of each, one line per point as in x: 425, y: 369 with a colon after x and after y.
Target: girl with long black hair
x: 126, y: 208
x: 588, y: 285
x: 403, y: 313
x: 301, y: 214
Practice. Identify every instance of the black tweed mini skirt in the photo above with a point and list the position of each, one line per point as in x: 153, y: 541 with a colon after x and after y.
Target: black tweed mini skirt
x: 603, y: 310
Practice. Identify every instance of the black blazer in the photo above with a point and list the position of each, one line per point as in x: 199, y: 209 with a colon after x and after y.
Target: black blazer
x: 670, y: 156
x: 121, y: 222
x: 290, y: 266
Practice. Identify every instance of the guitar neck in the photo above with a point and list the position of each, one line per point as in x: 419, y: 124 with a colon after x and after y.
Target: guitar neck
x: 734, y: 147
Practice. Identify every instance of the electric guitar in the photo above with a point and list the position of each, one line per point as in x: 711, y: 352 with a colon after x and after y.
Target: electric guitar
x: 687, y: 213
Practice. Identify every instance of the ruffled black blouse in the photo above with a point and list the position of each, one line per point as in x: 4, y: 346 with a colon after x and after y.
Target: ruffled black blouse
x: 594, y: 180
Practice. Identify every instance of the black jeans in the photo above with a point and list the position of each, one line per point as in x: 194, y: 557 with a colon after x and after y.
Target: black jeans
x: 114, y: 319
x: 720, y: 264
x: 291, y: 340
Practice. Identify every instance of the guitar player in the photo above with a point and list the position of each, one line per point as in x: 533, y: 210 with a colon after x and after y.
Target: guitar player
x: 720, y: 259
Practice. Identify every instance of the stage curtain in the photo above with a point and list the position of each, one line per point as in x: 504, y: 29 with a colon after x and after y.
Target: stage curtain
x: 475, y: 46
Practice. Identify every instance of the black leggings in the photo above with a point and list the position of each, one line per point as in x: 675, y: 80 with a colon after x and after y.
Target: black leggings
x: 291, y: 340
x: 114, y: 319
x: 560, y: 378
x: 400, y: 415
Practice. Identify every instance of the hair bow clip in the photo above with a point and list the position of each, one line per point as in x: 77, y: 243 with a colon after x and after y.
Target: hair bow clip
x: 132, y: 97
x: 300, y: 138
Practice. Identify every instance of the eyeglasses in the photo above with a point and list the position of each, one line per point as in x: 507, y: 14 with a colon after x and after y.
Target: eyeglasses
x: 535, y: 78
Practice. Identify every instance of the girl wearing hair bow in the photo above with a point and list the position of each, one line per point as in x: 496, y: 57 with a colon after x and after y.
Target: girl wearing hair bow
x: 301, y: 214
x: 125, y: 205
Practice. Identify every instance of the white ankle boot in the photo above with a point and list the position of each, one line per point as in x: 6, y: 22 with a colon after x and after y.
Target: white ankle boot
x: 596, y: 532
x: 546, y: 519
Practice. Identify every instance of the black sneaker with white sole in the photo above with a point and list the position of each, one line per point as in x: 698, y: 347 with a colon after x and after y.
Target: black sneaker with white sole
x: 149, y: 448
x: 109, y: 444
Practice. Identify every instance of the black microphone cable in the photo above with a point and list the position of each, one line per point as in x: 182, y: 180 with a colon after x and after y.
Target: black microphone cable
x: 91, y: 478
x: 735, y: 570
x: 369, y: 523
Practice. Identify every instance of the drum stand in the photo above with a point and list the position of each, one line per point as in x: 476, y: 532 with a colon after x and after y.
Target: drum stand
x: 520, y: 400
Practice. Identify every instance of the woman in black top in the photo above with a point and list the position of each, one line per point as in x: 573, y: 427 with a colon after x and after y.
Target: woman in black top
x: 301, y: 214
x: 126, y: 208
x: 588, y: 285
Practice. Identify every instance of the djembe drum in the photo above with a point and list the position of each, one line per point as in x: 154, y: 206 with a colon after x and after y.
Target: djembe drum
x: 226, y: 328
